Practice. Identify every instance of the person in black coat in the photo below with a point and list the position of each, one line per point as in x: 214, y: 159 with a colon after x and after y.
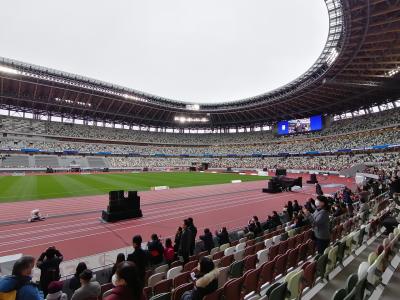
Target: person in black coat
x: 75, y: 282
x: 156, y: 250
x: 318, y: 190
x: 139, y: 257
x: 120, y: 259
x: 296, y: 206
x: 222, y: 236
x: 193, y: 230
x: 207, y: 239
x: 186, y: 241
x: 177, y: 240
x: 49, y: 265
x: 290, y: 210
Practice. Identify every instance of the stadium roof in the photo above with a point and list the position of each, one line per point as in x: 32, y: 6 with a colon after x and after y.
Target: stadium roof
x: 358, y: 67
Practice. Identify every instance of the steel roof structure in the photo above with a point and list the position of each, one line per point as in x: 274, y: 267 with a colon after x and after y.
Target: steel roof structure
x: 358, y: 68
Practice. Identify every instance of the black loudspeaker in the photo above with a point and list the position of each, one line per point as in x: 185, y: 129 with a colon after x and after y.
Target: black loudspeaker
x: 121, y: 208
x: 313, y: 179
x: 273, y: 187
x: 280, y: 172
x: 265, y: 169
x: 192, y: 169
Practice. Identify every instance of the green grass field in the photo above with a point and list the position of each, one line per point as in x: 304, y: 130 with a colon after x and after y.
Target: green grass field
x: 19, y: 188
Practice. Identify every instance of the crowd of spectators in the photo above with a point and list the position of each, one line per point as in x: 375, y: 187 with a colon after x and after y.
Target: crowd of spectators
x: 128, y: 274
x: 273, y: 147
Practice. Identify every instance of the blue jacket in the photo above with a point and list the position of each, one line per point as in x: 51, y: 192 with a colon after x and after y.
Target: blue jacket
x: 28, y: 291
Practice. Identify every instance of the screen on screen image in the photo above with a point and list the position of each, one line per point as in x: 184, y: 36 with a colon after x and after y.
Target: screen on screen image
x: 300, y: 125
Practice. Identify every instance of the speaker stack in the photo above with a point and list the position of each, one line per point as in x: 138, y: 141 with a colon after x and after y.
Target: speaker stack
x: 121, y: 207
x: 273, y: 186
x: 280, y: 172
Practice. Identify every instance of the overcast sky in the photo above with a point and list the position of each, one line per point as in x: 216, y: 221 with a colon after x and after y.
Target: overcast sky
x: 194, y: 50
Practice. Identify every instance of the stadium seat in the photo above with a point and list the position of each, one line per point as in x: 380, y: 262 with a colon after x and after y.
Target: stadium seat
x: 226, y: 261
x: 339, y: 294
x: 309, y: 275
x: 189, y: 266
x: 154, y: 279
x: 238, y: 255
x: 236, y: 269
x: 163, y: 286
x: 240, y: 247
x: 233, y: 288
x: 173, y: 272
x: 250, y: 262
x: 179, y: 291
x: 293, y: 256
x: 229, y: 251
x: 180, y: 279
x: 250, y: 281
x: 161, y: 269
x: 293, y: 280
x: 351, y: 282
x: 223, y: 247
x: 262, y: 256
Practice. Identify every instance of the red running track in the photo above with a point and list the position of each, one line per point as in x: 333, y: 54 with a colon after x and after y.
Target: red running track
x: 74, y: 226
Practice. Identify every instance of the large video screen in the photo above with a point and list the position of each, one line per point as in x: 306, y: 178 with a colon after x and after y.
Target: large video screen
x: 300, y: 125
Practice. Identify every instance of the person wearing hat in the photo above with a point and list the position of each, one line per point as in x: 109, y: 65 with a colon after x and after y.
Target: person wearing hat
x: 320, y: 223
x: 89, y: 289
x: 55, y: 291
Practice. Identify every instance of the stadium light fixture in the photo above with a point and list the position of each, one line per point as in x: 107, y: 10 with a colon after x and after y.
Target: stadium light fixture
x: 393, y: 72
x: 182, y: 119
x: 8, y: 70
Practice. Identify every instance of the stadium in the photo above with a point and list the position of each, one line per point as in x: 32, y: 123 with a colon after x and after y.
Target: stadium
x: 109, y: 191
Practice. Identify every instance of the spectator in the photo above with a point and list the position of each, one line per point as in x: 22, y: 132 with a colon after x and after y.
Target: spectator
x: 128, y: 283
x: 207, y: 239
x: 276, y: 219
x: 290, y: 210
x: 120, y: 259
x: 139, y: 257
x: 186, y: 242
x: 296, y: 206
x: 177, y: 241
x: 320, y: 222
x: 223, y: 236
x: 156, y: 250
x: 299, y: 221
x: 193, y: 230
x: 75, y: 282
x: 269, y: 224
x: 169, y: 252
x: 49, y: 265
x: 55, y: 291
x: 348, y: 201
x: 206, y: 283
x: 89, y: 289
x: 21, y: 280
x: 318, y: 189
